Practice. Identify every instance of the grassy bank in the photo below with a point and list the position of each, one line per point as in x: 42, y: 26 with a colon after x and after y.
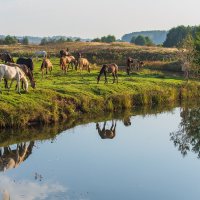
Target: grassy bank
x: 60, y: 97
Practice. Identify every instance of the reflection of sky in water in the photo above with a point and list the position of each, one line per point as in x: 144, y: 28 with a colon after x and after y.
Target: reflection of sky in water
x: 139, y: 163
x: 27, y: 189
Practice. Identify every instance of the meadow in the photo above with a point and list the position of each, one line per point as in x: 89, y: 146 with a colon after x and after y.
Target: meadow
x: 60, y: 97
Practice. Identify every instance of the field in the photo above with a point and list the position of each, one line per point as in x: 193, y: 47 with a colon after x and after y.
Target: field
x: 60, y: 97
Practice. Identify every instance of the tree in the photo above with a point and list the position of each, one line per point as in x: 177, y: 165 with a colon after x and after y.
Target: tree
x: 96, y: 40
x: 44, y: 41
x: 140, y: 40
x: 148, y: 41
x: 133, y: 40
x: 108, y: 39
x: 10, y: 40
x: 25, y: 41
x: 177, y: 35
x: 78, y: 40
x: 187, y: 55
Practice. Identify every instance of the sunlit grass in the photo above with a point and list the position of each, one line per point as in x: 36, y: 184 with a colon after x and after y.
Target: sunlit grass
x: 59, y: 96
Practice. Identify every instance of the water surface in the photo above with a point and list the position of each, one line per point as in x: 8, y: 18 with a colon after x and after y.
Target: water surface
x: 137, y: 157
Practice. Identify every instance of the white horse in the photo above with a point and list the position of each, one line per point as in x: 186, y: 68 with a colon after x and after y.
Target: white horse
x: 13, y: 73
x: 42, y: 54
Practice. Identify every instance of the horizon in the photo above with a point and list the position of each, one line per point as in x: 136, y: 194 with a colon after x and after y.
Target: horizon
x: 92, y: 19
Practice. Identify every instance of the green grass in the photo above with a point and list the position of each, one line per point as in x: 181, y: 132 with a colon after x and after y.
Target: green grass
x: 60, y: 97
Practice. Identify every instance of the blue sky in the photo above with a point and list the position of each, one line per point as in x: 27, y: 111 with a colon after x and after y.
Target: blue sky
x: 92, y: 18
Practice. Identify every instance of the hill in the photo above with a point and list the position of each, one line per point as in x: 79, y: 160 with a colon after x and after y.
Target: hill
x: 158, y: 37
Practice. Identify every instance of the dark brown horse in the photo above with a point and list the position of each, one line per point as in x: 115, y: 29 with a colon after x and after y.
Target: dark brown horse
x: 64, y: 52
x: 108, y: 68
x: 133, y: 64
x: 6, y: 57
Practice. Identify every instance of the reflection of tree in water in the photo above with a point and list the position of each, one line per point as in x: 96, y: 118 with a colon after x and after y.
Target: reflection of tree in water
x: 13, y: 157
x: 187, y: 138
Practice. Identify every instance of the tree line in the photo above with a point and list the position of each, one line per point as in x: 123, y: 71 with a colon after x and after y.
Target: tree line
x: 49, y: 40
x: 9, y: 40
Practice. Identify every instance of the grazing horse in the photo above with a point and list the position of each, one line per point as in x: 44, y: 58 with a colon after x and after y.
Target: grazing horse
x: 64, y: 53
x: 46, y: 64
x: 42, y: 54
x: 108, y: 68
x: 83, y: 63
x: 27, y: 72
x: 6, y: 57
x: 13, y: 73
x: 65, y: 61
x: 106, y: 133
x: 133, y: 63
x: 26, y: 61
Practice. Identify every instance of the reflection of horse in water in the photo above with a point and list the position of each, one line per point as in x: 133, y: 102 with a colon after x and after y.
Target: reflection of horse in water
x: 106, y: 133
x: 127, y: 121
x: 13, y: 158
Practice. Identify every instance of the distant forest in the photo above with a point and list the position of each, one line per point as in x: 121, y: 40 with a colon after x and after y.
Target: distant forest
x: 157, y: 37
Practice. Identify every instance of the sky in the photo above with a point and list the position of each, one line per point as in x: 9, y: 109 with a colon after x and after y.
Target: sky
x: 92, y: 18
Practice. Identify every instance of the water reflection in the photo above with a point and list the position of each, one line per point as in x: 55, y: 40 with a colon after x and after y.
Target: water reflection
x: 29, y: 190
x: 106, y: 133
x: 12, y: 157
x: 187, y: 137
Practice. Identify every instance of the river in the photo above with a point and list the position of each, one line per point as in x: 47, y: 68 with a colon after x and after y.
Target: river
x: 153, y: 156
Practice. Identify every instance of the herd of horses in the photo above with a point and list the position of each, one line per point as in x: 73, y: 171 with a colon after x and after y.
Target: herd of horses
x: 24, y: 68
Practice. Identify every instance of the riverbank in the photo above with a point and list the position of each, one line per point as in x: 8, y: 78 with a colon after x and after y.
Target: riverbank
x: 59, y: 97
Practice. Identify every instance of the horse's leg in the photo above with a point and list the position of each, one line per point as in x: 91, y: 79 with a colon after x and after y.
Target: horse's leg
x: 0, y: 85
x: 116, y: 75
x: 113, y: 74
x: 89, y: 68
x: 18, y: 85
x: 6, y: 83
x: 105, y: 74
x: 10, y: 85
x: 46, y: 70
x: 98, y: 78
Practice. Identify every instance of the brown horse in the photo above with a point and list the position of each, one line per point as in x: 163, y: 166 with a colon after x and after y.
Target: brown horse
x: 6, y: 57
x: 83, y: 63
x: 65, y: 61
x: 108, y: 68
x: 106, y: 133
x: 46, y: 64
x: 27, y: 72
x: 133, y: 64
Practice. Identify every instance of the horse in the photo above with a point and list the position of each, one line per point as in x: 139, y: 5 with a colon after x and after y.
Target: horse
x: 83, y: 63
x: 26, y: 61
x: 65, y: 61
x: 64, y: 53
x: 6, y: 57
x: 42, y: 54
x: 130, y: 63
x: 27, y: 72
x: 108, y: 68
x: 106, y: 133
x: 13, y: 73
x: 46, y: 64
